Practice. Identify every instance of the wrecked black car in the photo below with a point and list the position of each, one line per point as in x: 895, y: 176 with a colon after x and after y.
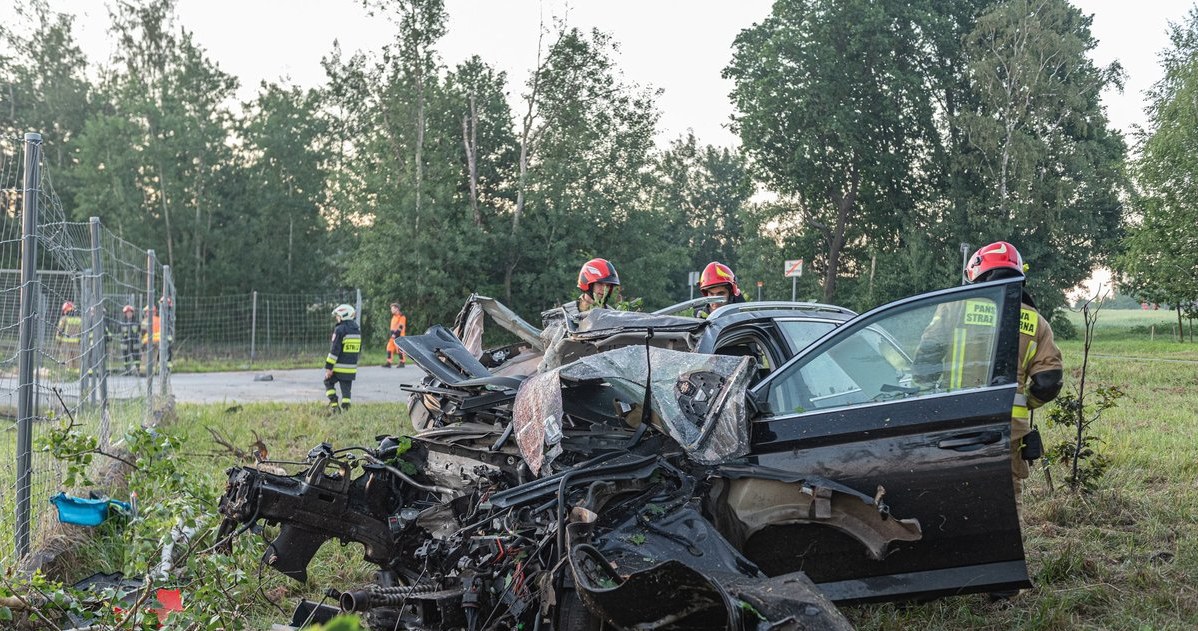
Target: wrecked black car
x: 608, y: 469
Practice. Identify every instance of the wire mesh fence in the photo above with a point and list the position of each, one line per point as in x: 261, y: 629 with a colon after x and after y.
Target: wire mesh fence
x: 80, y: 317
x: 257, y: 328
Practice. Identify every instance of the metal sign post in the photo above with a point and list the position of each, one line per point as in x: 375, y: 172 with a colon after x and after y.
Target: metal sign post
x: 793, y: 269
x: 964, y: 260
x: 692, y: 279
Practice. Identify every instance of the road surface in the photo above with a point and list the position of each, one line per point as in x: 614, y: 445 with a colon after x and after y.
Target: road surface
x: 374, y: 384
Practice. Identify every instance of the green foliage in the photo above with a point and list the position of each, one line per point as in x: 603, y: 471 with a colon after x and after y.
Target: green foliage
x: 1079, y: 455
x: 842, y: 83
x: 1073, y: 411
x: 340, y: 623
x: 1160, y: 264
x: 72, y: 447
x: 1039, y: 111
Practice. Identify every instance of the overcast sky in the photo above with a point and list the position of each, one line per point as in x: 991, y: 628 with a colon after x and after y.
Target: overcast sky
x: 678, y: 46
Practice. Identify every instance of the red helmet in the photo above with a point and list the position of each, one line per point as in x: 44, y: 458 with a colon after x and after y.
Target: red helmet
x: 597, y: 271
x: 999, y: 255
x: 718, y: 274
x: 68, y: 306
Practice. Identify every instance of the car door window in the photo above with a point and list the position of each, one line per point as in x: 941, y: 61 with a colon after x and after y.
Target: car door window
x: 919, y: 351
x: 802, y: 333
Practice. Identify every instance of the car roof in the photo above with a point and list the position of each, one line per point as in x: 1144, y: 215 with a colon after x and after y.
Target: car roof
x: 782, y: 309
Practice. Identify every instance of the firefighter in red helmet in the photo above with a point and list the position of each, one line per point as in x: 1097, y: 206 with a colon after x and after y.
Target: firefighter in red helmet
x: 1040, y: 370
x: 598, y: 281
x: 717, y: 280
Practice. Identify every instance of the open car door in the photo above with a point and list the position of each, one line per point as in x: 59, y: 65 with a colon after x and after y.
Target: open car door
x: 904, y: 411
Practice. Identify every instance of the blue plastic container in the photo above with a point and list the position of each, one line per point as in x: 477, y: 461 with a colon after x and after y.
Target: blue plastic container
x: 84, y: 512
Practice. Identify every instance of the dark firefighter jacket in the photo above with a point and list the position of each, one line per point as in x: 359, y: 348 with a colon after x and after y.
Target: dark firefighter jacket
x: 343, y: 354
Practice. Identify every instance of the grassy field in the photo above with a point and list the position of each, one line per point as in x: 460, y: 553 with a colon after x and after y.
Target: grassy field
x: 1125, y: 557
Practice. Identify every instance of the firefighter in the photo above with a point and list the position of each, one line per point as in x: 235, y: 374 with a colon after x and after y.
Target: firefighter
x: 970, y: 326
x: 1041, y: 372
x: 131, y: 332
x: 718, y: 280
x: 69, y: 332
x: 598, y: 281
x: 399, y: 328
x: 341, y: 365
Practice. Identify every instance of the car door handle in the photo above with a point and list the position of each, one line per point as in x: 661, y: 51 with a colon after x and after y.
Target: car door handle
x: 970, y: 442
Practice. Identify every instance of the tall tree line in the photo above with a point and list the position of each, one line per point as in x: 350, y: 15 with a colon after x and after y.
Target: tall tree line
x: 876, y: 137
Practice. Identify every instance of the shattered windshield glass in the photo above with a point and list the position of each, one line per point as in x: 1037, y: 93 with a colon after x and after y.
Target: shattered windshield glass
x: 698, y: 400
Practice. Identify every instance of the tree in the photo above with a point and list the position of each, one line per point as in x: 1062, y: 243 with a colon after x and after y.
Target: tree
x: 157, y: 163
x: 586, y: 179
x: 706, y: 189
x: 44, y: 88
x: 833, y: 111
x: 273, y: 223
x: 1160, y: 264
x: 1051, y: 169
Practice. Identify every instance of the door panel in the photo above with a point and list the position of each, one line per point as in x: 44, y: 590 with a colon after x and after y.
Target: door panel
x: 909, y: 404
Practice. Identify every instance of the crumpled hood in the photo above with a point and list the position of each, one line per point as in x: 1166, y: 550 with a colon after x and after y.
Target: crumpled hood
x: 698, y: 399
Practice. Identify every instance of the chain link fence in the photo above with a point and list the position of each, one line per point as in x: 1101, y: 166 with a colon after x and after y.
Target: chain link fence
x: 241, y: 331
x: 86, y: 319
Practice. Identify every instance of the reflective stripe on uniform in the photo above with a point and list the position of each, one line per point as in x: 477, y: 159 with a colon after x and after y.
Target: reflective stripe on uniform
x: 332, y: 359
x: 330, y: 392
x: 958, y: 359
x: 1020, y: 411
x: 1029, y: 356
x: 345, y: 368
x: 1021, y: 399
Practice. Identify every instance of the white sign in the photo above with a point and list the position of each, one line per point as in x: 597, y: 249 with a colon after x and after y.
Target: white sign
x: 693, y: 278
x: 794, y: 269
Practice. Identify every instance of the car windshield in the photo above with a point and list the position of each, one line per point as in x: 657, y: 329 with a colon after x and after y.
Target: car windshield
x: 803, y: 332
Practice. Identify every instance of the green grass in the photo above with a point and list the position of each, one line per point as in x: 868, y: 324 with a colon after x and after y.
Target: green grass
x: 1122, y: 558
x: 289, y: 431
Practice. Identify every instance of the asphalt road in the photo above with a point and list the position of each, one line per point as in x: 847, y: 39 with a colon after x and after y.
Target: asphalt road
x: 373, y: 385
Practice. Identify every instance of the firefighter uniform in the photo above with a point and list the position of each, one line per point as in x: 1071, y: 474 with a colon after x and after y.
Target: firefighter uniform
x: 955, y: 353
x: 1041, y: 374
x: 131, y: 334
x: 343, y: 361
x: 69, y: 334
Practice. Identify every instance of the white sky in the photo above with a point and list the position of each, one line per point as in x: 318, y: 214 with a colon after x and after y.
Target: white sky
x: 675, y: 45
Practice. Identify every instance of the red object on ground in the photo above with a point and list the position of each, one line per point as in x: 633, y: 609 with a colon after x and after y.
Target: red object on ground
x: 171, y: 600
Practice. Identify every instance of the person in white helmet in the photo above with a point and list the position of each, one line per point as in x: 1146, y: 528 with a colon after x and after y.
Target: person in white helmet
x: 341, y: 365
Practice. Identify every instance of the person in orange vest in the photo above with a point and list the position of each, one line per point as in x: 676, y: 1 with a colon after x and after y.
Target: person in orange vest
x: 151, y: 332
x: 399, y: 328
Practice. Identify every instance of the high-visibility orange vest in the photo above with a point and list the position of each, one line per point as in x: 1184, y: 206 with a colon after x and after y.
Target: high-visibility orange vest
x: 399, y: 322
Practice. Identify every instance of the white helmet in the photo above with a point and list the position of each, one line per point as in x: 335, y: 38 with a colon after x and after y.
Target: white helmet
x: 343, y: 312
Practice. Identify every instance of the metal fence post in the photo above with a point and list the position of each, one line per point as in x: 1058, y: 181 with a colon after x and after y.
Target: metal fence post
x: 33, y: 146
x: 358, y: 306
x: 84, y: 298
x: 102, y: 315
x: 164, y: 333
x: 149, y: 332
x: 253, y: 325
